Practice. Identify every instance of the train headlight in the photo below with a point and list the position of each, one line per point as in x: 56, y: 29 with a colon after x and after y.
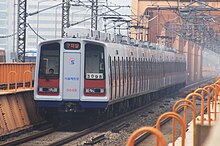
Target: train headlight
x: 48, y: 89
x: 90, y: 90
x: 53, y: 89
x: 94, y: 90
x: 101, y: 90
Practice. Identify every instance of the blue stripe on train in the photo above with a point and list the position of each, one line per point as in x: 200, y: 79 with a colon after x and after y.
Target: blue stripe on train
x: 93, y: 104
x: 62, y: 103
x: 49, y: 103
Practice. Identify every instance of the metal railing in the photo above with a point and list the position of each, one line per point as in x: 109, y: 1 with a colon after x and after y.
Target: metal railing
x: 155, y: 131
x: 14, y: 76
x: 174, y: 116
x: 189, y: 101
x: 185, y: 103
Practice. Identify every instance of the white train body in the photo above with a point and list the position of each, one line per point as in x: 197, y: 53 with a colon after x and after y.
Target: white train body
x: 81, y: 73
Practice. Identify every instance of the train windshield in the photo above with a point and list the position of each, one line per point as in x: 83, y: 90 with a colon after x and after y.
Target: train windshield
x: 49, y: 61
x: 94, y: 62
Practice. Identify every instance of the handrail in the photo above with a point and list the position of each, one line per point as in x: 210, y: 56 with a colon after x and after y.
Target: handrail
x: 208, y: 94
x: 209, y: 99
x: 218, y: 83
x: 176, y: 106
x: 218, y: 78
x: 177, y: 117
x: 214, y: 100
x: 193, y: 95
x: 218, y: 89
x: 27, y: 72
x: 155, y: 131
x: 8, y: 87
x: 7, y: 78
x: 213, y: 93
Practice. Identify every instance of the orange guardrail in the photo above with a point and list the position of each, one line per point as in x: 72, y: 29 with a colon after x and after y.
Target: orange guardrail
x: 16, y: 75
x: 215, y: 98
x: 11, y: 80
x: 29, y: 78
x: 217, y: 79
x: 135, y: 134
x: 177, y: 117
x: 218, y: 83
x: 193, y: 95
x: 217, y: 86
x: 200, y: 92
x: 209, y: 101
x: 178, y: 105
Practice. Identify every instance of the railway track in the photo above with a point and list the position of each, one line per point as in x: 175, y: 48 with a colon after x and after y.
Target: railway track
x: 61, y: 137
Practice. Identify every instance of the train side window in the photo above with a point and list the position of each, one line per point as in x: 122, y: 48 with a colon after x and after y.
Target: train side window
x: 122, y: 73
x: 110, y: 77
x: 115, y: 75
x: 119, y: 74
x: 148, y: 67
x: 128, y: 74
x: 129, y: 68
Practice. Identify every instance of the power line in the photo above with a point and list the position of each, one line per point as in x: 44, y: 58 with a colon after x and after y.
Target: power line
x: 8, y: 36
x: 35, y: 32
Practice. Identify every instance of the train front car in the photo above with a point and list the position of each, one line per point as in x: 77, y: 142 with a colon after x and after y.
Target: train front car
x: 2, y: 55
x: 71, y: 75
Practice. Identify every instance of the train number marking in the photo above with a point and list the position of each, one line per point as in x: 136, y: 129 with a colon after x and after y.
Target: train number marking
x: 94, y: 76
x: 71, y: 90
x: 72, y: 78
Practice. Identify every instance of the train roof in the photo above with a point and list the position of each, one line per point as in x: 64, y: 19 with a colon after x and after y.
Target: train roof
x: 2, y: 48
x: 138, y: 44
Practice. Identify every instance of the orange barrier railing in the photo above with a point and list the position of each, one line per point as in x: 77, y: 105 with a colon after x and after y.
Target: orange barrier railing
x: 13, y: 75
x: 215, y: 99
x: 29, y: 78
x: 178, y: 105
x: 174, y: 116
x: 209, y: 88
x: 200, y: 92
x: 217, y: 79
x: 217, y: 82
x: 155, y: 131
x: 11, y: 81
x: 193, y: 95
x: 209, y: 101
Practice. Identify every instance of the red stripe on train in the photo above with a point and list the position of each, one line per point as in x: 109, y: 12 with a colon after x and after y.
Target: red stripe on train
x: 48, y: 83
x: 94, y: 84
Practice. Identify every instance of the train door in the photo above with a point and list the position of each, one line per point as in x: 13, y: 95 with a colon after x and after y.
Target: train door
x: 71, y: 75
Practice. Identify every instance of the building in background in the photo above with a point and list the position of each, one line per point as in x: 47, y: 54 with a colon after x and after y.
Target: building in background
x: 7, y: 27
x: 3, y: 23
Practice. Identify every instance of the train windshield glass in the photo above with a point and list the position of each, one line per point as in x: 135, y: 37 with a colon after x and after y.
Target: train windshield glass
x: 49, y: 61
x: 94, y: 62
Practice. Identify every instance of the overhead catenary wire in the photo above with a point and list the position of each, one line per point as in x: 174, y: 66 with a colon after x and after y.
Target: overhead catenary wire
x: 35, y: 31
x: 7, y: 36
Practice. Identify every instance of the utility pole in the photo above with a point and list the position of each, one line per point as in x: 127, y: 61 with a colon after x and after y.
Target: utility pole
x: 94, y: 14
x: 65, y: 17
x: 22, y: 6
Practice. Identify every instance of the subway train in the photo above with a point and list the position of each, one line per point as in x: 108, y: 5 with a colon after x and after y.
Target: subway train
x: 79, y: 74
x: 2, y: 55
